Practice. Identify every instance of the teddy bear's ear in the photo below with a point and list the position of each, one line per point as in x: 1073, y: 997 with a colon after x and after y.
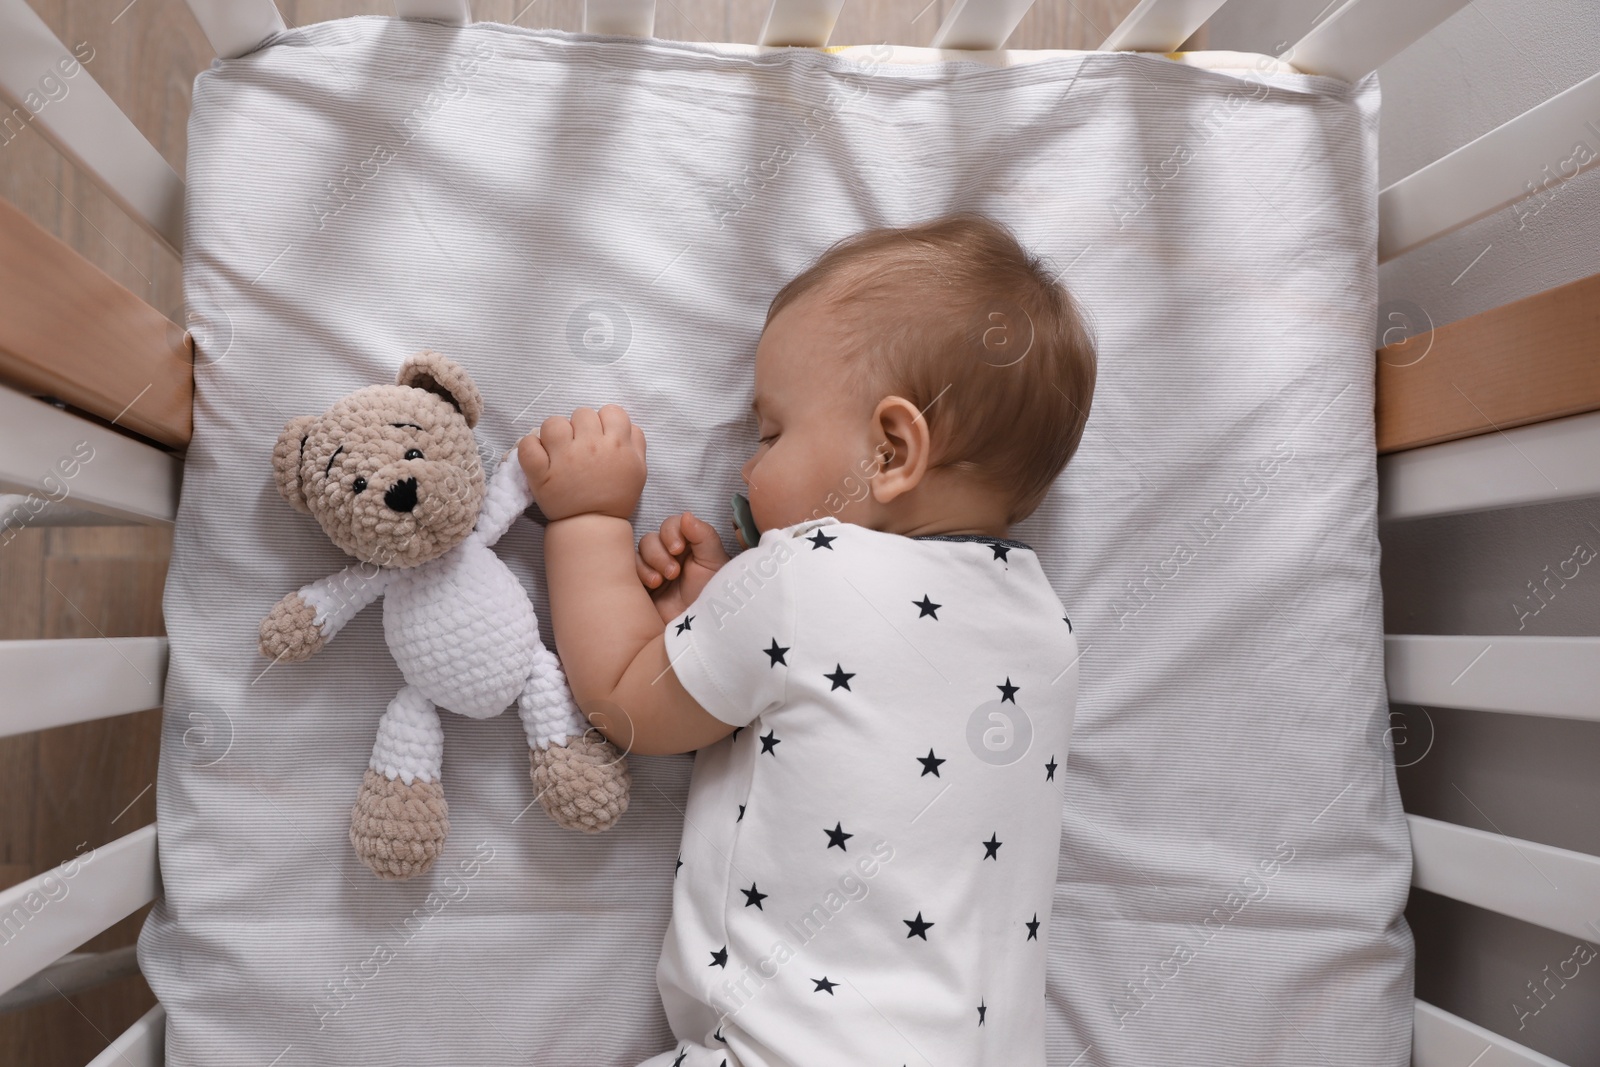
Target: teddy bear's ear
x: 286, y: 455
x: 444, y: 376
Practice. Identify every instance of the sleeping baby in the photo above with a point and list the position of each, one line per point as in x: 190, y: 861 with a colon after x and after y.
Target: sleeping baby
x: 879, y: 690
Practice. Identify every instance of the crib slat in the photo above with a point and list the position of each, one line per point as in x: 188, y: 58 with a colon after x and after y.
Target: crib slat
x: 1540, y: 884
x: 1363, y: 35
x: 53, y: 457
x: 800, y: 22
x: 1160, y: 25
x: 1549, y: 676
x: 1439, y: 1039
x: 48, y: 916
x: 141, y: 1045
x: 83, y: 123
x: 68, y: 330
x: 51, y: 683
x: 980, y: 24
x: 1501, y: 168
x: 1522, y: 362
x: 235, y: 27
x: 633, y: 18
x: 454, y: 12
x: 1540, y: 463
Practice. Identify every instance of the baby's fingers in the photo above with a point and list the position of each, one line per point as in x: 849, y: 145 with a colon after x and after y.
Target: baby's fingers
x: 703, y: 541
x: 672, y: 533
x: 654, y: 556
x: 647, y: 577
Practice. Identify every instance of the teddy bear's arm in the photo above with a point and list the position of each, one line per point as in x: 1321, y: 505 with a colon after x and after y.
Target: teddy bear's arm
x: 305, y: 620
x: 507, y: 497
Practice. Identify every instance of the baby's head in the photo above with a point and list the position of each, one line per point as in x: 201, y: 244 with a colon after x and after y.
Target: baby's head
x: 932, y: 379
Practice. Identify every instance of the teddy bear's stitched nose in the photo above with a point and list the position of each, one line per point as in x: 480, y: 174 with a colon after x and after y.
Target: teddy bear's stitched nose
x: 402, y: 496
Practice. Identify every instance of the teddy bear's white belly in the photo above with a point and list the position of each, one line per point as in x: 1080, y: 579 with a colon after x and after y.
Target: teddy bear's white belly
x: 462, y: 630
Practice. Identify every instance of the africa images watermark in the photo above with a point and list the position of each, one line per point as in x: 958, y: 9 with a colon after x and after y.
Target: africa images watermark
x: 732, y: 994
x: 754, y: 178
x: 1252, y: 889
x: 52, y: 87
x: 342, y: 191
x: 340, y: 992
x: 53, y: 489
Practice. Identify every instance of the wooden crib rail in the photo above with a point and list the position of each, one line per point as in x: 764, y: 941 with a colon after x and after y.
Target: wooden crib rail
x: 68, y: 330
x: 83, y: 123
x: 1527, y: 361
x: 48, y: 916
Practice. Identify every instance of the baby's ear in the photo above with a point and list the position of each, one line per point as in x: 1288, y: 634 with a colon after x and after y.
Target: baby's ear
x: 442, y: 375
x: 286, y: 456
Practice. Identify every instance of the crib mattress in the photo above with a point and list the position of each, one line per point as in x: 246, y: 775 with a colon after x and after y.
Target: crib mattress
x: 1234, y: 859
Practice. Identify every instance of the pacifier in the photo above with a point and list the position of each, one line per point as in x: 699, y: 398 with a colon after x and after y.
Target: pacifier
x: 744, y: 521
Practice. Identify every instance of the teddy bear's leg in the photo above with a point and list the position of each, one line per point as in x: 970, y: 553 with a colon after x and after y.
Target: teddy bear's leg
x: 400, y: 819
x: 579, y: 777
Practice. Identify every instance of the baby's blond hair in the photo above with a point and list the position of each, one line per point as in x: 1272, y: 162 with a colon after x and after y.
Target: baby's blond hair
x: 961, y: 320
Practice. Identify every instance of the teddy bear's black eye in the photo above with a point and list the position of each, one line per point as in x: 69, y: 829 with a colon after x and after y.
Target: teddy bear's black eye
x: 413, y: 453
x: 359, y: 485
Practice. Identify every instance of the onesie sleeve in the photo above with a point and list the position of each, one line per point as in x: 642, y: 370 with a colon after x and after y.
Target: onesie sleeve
x: 730, y: 647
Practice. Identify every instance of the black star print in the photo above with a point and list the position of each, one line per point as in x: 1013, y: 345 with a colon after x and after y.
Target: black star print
x: 927, y: 607
x: 751, y: 896
x: 776, y: 652
x: 1050, y: 770
x: 741, y: 814
x: 839, y: 677
x: 684, y: 625
x: 736, y: 730
x: 823, y: 985
x: 837, y: 836
x: 770, y: 742
x: 1008, y: 691
x: 999, y: 549
x: 991, y: 848
x: 1068, y: 622
x: 981, y: 1009
x: 719, y: 1037
x: 681, y: 1054
x: 1033, y: 928
x: 680, y: 864
x: 918, y: 927
x: 719, y: 958
x: 821, y: 540
x: 930, y: 764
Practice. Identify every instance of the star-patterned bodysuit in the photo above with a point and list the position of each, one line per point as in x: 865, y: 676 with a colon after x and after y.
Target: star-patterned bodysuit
x: 868, y: 862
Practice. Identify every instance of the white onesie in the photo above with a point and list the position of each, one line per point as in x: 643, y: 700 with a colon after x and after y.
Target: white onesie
x: 868, y: 862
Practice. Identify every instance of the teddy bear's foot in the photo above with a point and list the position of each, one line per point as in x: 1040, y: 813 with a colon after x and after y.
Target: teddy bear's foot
x: 583, y: 784
x: 398, y: 830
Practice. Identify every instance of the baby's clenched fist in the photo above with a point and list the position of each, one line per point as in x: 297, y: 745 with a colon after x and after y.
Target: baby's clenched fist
x: 592, y: 462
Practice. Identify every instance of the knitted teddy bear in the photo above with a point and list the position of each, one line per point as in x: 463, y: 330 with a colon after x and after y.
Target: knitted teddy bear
x: 391, y: 473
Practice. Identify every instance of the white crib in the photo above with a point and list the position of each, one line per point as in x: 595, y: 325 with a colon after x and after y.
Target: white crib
x: 69, y: 332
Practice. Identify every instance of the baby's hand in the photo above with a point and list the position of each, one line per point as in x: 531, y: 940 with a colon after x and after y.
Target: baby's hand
x: 592, y: 462
x: 676, y: 563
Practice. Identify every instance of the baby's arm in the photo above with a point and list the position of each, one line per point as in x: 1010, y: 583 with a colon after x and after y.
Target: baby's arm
x: 587, y: 474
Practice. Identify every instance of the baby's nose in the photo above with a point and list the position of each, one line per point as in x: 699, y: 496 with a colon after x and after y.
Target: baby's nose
x: 402, y: 495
